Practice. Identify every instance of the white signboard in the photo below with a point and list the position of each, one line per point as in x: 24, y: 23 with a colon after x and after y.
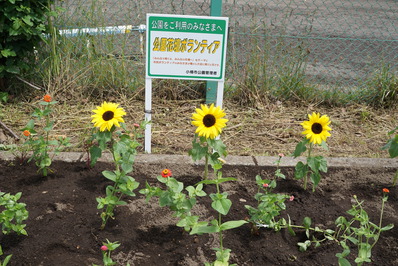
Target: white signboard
x: 186, y: 47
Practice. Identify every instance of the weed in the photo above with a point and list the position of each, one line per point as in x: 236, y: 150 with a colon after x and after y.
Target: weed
x: 381, y: 90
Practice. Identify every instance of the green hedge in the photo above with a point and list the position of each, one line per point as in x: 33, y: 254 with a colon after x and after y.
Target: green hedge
x: 22, y: 24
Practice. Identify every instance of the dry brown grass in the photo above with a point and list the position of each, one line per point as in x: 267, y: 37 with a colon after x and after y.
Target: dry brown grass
x: 268, y: 129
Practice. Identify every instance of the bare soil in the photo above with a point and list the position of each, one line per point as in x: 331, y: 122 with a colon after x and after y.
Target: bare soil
x: 63, y: 224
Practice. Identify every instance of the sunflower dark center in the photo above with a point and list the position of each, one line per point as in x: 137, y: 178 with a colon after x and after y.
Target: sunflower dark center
x: 108, y: 115
x: 209, y: 120
x: 316, y: 128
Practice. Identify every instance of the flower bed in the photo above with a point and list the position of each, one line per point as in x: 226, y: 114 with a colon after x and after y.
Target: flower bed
x: 64, y: 223
x: 196, y: 213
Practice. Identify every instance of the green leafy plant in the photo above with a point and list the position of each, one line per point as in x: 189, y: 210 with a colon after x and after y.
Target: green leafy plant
x: 278, y: 172
x: 39, y: 142
x: 107, y: 249
x: 122, y: 145
x: 269, y: 205
x: 181, y: 202
x: 123, y: 152
x: 358, y: 231
x: 3, y: 97
x: 381, y: 89
x: 210, y: 122
x: 392, y: 147
x: 316, y: 131
x: 206, y: 144
x: 22, y: 26
x: 173, y: 196
x: 209, y: 149
x: 12, y: 217
x: 222, y: 205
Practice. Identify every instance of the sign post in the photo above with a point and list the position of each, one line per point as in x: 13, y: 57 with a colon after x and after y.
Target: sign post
x: 184, y: 47
x: 211, y: 86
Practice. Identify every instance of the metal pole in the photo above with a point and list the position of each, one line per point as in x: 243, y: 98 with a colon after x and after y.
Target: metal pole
x: 211, y: 86
x: 148, y: 114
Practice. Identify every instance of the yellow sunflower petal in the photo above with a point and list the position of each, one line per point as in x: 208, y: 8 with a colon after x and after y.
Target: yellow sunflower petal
x: 107, y: 115
x: 316, y: 129
x: 209, y: 121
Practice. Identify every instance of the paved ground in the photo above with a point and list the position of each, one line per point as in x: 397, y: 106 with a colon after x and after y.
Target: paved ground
x: 262, y: 161
x: 346, y: 40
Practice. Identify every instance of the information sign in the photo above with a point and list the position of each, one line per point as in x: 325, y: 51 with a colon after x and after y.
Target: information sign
x: 186, y: 47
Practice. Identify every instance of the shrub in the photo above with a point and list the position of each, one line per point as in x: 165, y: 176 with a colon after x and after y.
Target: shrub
x: 22, y: 24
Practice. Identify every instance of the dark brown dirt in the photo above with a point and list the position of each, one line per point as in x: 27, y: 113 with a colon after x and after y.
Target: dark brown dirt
x: 63, y: 224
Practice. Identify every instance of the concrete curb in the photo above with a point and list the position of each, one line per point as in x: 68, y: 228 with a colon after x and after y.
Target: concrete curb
x: 257, y: 161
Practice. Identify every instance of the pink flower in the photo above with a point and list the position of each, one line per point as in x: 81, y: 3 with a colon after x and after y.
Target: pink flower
x: 265, y: 185
x: 136, y: 125
x: 281, y: 155
x: 291, y: 198
x: 104, y: 248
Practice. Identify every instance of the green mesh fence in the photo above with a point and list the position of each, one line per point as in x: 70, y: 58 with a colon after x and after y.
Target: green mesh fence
x: 276, y: 45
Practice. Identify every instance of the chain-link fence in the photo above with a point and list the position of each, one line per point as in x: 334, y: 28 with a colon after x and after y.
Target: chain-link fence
x: 334, y: 45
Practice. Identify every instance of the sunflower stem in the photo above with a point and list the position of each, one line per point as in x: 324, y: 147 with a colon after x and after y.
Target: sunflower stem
x: 111, y: 207
x: 219, y: 217
x: 207, y: 154
x: 306, y: 175
x: 206, y: 174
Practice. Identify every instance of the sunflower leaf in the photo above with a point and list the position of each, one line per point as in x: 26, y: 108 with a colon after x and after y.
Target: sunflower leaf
x: 198, y: 151
x: 324, y: 145
x: 300, y: 148
x: 218, y: 146
x: 317, y: 163
x: 214, y: 162
x: 221, y: 203
x: 393, y: 150
x: 315, y: 178
x: 301, y: 170
x: 95, y: 154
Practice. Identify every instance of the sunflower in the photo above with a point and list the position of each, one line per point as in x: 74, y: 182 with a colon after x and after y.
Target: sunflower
x: 209, y: 121
x: 108, y: 115
x: 316, y: 129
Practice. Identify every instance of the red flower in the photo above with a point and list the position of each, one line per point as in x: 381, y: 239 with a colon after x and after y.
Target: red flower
x: 26, y: 133
x: 104, y: 248
x: 166, y: 173
x: 136, y: 125
x: 386, y: 190
x: 47, y: 98
x: 265, y: 185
